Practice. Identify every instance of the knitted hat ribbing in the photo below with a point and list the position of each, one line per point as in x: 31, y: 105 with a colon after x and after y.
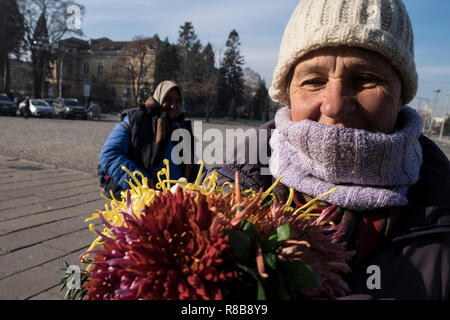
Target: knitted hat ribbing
x: 382, y: 26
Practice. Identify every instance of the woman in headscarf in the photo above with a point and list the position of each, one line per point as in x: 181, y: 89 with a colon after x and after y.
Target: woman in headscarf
x: 142, y: 140
x: 345, y: 74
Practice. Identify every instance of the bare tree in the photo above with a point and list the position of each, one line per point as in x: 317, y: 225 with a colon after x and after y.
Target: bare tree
x: 45, y: 23
x: 136, y: 64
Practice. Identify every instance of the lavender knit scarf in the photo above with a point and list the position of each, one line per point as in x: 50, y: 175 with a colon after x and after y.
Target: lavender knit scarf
x: 371, y: 170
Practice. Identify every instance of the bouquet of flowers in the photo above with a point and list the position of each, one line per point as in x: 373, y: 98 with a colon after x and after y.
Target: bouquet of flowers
x: 190, y: 241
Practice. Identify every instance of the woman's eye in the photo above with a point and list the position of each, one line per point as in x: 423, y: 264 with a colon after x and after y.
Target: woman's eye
x: 314, y: 82
x: 367, y: 79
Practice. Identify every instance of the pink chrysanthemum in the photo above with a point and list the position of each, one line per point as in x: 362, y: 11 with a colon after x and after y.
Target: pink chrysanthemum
x: 172, y: 251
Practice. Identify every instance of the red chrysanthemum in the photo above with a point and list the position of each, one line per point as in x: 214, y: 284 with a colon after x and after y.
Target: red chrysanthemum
x: 173, y: 250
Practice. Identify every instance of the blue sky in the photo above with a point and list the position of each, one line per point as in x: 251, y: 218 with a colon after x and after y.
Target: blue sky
x: 260, y: 24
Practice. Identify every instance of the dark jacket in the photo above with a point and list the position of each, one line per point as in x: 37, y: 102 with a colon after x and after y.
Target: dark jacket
x: 131, y: 144
x: 414, y: 260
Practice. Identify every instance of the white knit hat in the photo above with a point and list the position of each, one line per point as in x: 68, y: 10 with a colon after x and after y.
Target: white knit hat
x: 382, y: 26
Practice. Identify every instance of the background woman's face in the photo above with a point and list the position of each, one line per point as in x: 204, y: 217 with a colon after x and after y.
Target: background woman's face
x: 172, y: 103
x: 348, y: 87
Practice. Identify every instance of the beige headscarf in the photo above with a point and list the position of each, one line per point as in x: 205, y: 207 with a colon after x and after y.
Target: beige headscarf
x: 163, y: 88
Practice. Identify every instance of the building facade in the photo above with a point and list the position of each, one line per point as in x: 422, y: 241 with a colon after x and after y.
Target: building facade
x: 99, y: 63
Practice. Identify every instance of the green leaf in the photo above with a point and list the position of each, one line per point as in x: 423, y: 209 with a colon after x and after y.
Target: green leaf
x: 280, y: 287
x: 283, y: 232
x: 269, y: 243
x: 240, y: 244
x: 299, y: 275
x: 249, y: 229
x: 274, y: 239
x: 261, y: 295
x: 270, y: 260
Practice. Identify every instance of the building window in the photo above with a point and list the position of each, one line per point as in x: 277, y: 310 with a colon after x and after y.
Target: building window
x: 70, y: 69
x: 99, y: 69
x: 86, y: 68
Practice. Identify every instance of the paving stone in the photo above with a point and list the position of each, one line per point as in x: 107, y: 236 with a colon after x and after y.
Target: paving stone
x: 19, y: 176
x: 23, y: 238
x: 57, y: 265
x: 12, y: 203
x: 46, y: 181
x: 47, y: 296
x: 73, y: 241
x: 28, y: 283
x: 47, y: 206
x: 84, y: 210
x: 27, y: 258
x: 67, y: 192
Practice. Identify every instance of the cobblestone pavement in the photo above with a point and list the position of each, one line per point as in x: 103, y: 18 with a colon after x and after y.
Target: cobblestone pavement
x: 73, y: 144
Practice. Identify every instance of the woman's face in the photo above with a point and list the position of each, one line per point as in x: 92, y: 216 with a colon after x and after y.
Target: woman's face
x: 348, y: 87
x: 172, y: 103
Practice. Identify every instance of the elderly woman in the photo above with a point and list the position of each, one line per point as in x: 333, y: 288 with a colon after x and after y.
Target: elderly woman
x: 346, y: 72
x: 142, y: 140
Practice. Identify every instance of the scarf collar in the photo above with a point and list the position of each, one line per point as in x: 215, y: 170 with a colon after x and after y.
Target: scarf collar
x: 371, y: 170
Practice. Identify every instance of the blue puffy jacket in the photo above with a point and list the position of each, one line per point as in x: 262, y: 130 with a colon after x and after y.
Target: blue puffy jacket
x: 114, y: 155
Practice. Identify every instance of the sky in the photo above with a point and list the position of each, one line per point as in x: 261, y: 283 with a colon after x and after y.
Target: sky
x: 260, y: 24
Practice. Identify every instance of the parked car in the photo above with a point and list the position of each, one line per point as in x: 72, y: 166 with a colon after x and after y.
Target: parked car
x: 69, y: 108
x: 38, y: 108
x: 6, y: 105
x: 49, y: 101
x: 95, y: 111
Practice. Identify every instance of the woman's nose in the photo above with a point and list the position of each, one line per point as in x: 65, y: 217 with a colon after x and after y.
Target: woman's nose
x: 337, y: 102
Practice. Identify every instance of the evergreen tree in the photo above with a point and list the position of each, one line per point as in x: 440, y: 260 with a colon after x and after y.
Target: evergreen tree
x: 261, y: 102
x: 166, y: 62
x: 190, y: 48
x: 190, y: 76
x: 231, y: 83
x: 210, y: 78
